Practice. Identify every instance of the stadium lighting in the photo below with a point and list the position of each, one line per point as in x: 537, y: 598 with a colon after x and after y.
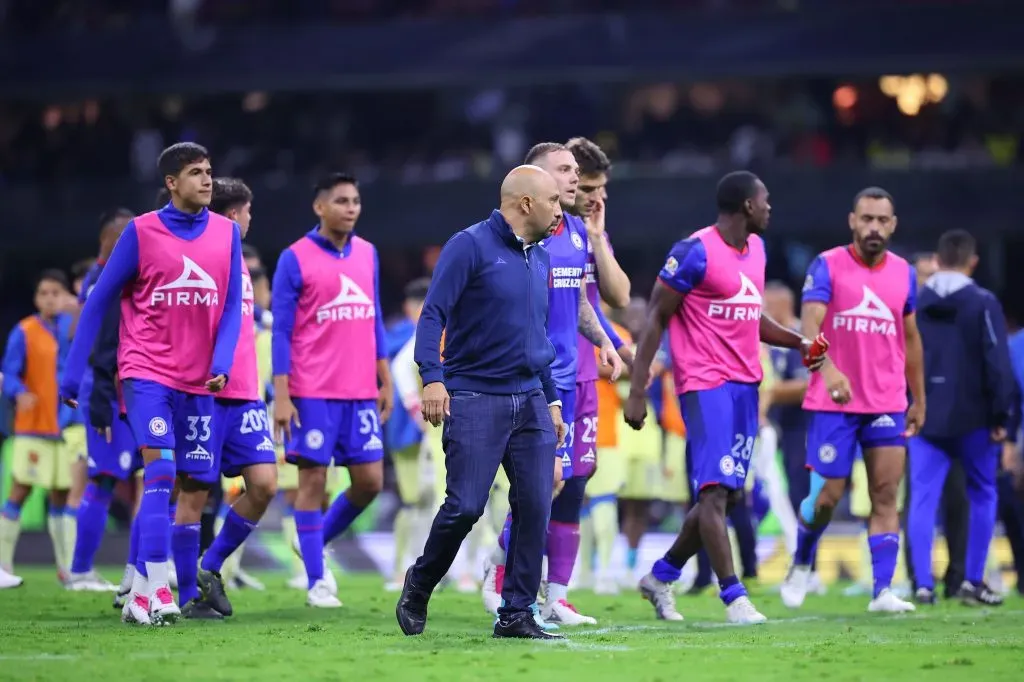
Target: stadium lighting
x: 913, y: 92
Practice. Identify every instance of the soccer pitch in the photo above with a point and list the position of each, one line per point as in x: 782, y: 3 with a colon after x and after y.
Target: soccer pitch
x: 49, y: 634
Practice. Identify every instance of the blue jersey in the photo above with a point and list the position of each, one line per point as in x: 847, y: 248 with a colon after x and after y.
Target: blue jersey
x: 567, y: 248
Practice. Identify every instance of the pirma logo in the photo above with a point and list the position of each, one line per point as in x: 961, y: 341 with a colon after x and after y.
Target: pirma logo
x: 870, y: 316
x: 193, y: 287
x: 351, y: 303
x: 744, y: 305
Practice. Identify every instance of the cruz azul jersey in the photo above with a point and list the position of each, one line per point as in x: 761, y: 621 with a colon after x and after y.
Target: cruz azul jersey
x: 865, y: 307
x: 714, y: 336
x: 170, y: 313
x: 245, y: 379
x: 334, y: 343
x: 587, y: 369
x: 567, y: 248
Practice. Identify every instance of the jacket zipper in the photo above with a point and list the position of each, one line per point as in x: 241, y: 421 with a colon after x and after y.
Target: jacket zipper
x: 529, y: 304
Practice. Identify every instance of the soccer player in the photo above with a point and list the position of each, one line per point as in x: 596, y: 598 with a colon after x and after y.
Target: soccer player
x: 972, y: 397
x: 31, y: 366
x: 241, y: 446
x: 329, y: 357
x: 112, y: 454
x: 406, y: 433
x: 179, y: 269
x: 864, y: 298
x: 709, y: 293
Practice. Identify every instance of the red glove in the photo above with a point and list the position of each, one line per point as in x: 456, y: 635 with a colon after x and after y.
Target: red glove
x: 818, y: 348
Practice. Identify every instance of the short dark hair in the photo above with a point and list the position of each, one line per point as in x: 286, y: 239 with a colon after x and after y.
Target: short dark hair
x: 229, y: 193
x: 257, y: 274
x: 956, y: 248
x: 590, y: 157
x: 332, y: 180
x: 916, y: 259
x: 110, y: 216
x: 163, y: 195
x: 873, y: 193
x: 53, y: 275
x: 81, y: 268
x: 416, y: 290
x: 542, y: 149
x: 250, y: 251
x: 734, y: 189
x: 174, y: 159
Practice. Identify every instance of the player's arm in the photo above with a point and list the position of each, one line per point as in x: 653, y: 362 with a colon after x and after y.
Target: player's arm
x: 386, y: 399
x: 455, y: 266
x: 284, y: 300
x: 774, y: 334
x: 915, y: 350
x: 231, y: 319
x: 998, y: 369
x: 103, y: 361
x: 612, y: 282
x: 14, y: 364
x: 120, y: 268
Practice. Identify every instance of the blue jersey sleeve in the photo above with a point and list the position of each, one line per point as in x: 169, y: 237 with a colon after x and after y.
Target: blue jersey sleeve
x: 378, y: 325
x: 231, y: 319
x: 119, y: 270
x: 911, y: 304
x: 818, y: 284
x: 14, y: 363
x: 685, y: 267
x: 455, y: 266
x: 284, y: 299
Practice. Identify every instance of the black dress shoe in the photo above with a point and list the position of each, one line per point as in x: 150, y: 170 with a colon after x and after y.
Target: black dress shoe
x: 521, y: 626
x: 412, y: 607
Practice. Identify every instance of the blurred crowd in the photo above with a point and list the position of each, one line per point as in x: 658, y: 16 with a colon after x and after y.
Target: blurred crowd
x: 688, y: 128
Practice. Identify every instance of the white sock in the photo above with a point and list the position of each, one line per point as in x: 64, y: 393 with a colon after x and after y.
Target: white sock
x: 55, y: 525
x: 157, y: 571
x: 556, y: 592
x: 140, y: 585
x: 127, y: 578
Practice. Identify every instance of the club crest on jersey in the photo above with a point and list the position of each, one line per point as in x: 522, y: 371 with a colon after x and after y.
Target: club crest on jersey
x: 248, y: 295
x: 577, y: 241
x: 827, y: 453
x: 125, y: 460
x: 744, y: 305
x: 870, y: 316
x: 727, y: 465
x: 157, y: 426
x: 351, y: 303
x: 193, y: 287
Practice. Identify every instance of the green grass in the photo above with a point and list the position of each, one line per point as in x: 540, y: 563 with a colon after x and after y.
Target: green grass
x: 49, y: 634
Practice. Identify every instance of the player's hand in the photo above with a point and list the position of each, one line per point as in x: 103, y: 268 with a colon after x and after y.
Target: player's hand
x: 385, y: 403
x: 915, y: 419
x: 436, y: 403
x: 626, y: 353
x: 635, y: 410
x: 105, y: 432
x: 608, y: 356
x: 998, y: 434
x: 26, y: 401
x: 70, y: 402
x: 595, y: 221
x: 217, y: 383
x: 837, y: 384
x: 284, y: 414
x: 814, y: 352
x: 560, y: 428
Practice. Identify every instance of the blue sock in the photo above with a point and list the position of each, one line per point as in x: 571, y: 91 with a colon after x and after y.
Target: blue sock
x: 185, y: 548
x: 310, y: 528
x: 730, y: 590
x: 172, y: 511
x: 885, y: 550
x: 154, y: 527
x: 92, y: 517
x: 223, y: 510
x: 133, y: 543
x: 12, y: 510
x: 631, y: 558
x: 806, y: 544
x: 664, y: 571
x: 236, y: 529
x: 339, y: 517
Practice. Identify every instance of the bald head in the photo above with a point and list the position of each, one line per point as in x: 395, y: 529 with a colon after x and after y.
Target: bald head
x: 526, y: 181
x: 529, y: 202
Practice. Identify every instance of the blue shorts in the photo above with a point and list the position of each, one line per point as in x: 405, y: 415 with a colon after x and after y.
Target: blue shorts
x: 833, y: 439
x: 163, y: 418
x: 345, y: 431
x: 242, y: 438
x: 721, y: 426
x: 119, y: 458
x: 568, y: 399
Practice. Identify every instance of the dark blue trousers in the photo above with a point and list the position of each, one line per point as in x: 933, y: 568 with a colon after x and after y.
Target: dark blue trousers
x: 482, y: 433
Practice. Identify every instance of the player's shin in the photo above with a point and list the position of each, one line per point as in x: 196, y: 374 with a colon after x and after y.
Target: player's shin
x: 10, y: 529
x: 154, y: 524
x: 185, y: 540
x: 815, y: 515
x: 669, y: 568
x: 92, y: 517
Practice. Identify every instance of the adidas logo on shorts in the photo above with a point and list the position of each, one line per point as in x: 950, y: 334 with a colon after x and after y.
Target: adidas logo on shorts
x: 374, y: 443
x: 883, y: 422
